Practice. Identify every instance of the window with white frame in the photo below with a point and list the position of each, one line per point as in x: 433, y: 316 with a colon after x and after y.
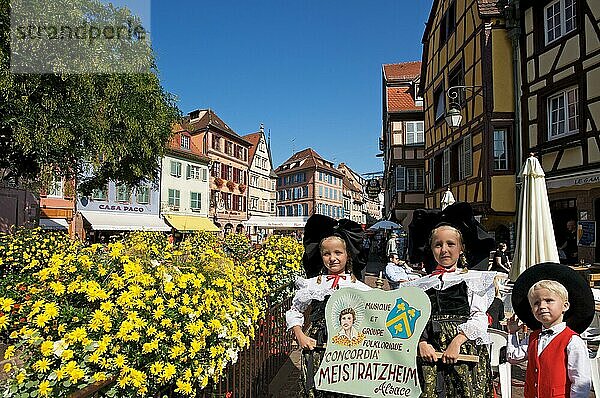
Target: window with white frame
x: 143, y: 195
x: 195, y: 201
x: 175, y: 169
x: 194, y: 172
x: 55, y: 186
x: 414, y: 179
x: 174, y: 195
x: 400, y: 178
x: 559, y: 19
x: 414, y: 133
x: 185, y: 142
x: 500, y: 149
x: 563, y: 113
x: 123, y: 193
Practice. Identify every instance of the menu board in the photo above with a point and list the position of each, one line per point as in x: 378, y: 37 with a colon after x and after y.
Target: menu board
x: 586, y: 233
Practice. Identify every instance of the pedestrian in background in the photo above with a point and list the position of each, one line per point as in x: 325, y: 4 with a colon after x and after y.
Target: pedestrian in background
x: 392, y: 245
x: 501, y: 262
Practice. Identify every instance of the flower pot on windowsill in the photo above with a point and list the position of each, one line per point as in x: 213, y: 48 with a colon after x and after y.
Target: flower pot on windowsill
x: 230, y: 185
x: 242, y: 188
x: 219, y: 182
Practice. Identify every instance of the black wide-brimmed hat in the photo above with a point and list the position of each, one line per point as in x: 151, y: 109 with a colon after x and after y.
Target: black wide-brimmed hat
x: 319, y: 227
x: 581, y: 299
x: 478, y: 243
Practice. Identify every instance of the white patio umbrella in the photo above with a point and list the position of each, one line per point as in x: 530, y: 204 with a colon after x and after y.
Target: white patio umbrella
x: 447, y: 199
x: 535, y: 234
x: 384, y: 224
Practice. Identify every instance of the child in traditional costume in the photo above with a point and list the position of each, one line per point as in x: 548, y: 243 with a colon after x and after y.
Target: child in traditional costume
x: 557, y: 304
x: 333, y: 256
x: 459, y: 299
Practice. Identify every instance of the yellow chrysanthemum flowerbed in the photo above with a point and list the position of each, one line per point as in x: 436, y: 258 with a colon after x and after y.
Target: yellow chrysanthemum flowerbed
x: 140, y: 312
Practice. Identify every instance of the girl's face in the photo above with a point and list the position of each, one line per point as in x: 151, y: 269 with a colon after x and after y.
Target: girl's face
x: 334, y: 255
x: 446, y: 246
x: 347, y: 321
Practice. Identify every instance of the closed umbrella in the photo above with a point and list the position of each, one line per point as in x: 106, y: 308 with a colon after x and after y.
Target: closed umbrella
x: 447, y: 199
x: 535, y: 234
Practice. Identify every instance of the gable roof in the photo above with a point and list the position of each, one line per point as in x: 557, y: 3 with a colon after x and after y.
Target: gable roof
x: 208, y: 118
x: 306, y: 159
x: 402, y: 71
x: 254, y: 139
x: 400, y: 99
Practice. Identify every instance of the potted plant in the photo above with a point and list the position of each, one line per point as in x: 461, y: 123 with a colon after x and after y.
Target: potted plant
x: 219, y: 182
x: 242, y: 188
x: 230, y: 185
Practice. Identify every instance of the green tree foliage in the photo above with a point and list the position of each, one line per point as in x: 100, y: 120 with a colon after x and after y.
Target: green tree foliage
x: 120, y: 121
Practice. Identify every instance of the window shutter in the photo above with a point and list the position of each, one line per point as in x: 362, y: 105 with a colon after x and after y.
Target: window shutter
x: 446, y: 167
x: 468, y: 162
x: 431, y: 175
x: 187, y: 171
x: 400, y: 179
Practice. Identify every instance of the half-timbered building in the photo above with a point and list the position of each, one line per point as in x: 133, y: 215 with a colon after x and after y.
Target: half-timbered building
x: 560, y: 68
x: 467, y: 64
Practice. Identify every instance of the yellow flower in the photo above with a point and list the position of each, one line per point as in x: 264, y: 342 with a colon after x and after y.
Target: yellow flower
x: 20, y: 377
x: 46, y: 348
x: 184, y: 387
x: 42, y: 365
x: 120, y: 360
x: 3, y: 322
x: 67, y: 354
x: 7, y: 367
x: 58, y: 288
x: 156, y: 368
x: 44, y: 389
x: 6, y: 304
x: 51, y: 310
x: 169, y: 371
x: 10, y: 352
x: 99, y: 376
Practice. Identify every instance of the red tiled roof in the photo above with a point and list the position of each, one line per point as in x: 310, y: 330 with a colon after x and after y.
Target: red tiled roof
x: 208, y: 119
x: 402, y: 71
x: 254, y: 138
x: 400, y: 99
x: 311, y: 160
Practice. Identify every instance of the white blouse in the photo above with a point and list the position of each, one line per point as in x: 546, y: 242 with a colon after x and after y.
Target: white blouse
x: 480, y: 291
x: 308, y: 290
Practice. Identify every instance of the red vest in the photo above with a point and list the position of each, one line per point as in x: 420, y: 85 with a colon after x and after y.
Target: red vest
x: 547, y: 374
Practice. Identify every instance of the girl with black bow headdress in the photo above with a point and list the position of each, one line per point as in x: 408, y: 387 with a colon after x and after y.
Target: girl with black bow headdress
x: 459, y: 300
x: 332, y: 259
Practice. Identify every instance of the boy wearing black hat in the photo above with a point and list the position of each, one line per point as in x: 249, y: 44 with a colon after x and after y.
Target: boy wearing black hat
x: 558, y: 364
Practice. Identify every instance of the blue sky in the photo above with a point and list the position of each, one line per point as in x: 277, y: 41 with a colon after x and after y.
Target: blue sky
x: 309, y: 70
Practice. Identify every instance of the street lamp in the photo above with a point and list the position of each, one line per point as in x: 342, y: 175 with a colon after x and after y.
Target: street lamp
x: 453, y: 115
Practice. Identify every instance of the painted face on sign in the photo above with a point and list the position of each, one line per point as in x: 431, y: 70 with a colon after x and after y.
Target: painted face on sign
x: 347, y: 320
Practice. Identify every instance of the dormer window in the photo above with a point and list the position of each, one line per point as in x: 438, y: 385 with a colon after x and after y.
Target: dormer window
x: 185, y: 142
x: 195, y: 115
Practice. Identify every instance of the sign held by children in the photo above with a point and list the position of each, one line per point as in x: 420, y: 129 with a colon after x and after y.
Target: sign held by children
x: 372, y: 345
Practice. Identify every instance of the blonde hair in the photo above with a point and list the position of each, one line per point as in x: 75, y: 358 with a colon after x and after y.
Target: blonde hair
x: 462, y: 259
x: 552, y: 286
x: 348, y: 256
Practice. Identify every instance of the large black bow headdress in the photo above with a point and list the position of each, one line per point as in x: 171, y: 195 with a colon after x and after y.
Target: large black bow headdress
x: 478, y: 243
x: 319, y: 227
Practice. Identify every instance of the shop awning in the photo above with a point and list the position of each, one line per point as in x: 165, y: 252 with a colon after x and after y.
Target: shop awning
x: 184, y: 223
x: 277, y: 222
x: 101, y: 221
x: 54, y: 223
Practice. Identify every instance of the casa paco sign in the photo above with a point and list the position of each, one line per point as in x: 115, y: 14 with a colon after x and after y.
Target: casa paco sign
x: 372, y: 342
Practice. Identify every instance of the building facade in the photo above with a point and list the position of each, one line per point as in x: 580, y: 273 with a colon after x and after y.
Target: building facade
x: 229, y: 154
x: 184, y: 191
x: 308, y: 184
x: 57, y: 202
x: 261, y: 185
x: 560, y: 69
x: 354, y: 195
x: 403, y: 141
x: 467, y: 65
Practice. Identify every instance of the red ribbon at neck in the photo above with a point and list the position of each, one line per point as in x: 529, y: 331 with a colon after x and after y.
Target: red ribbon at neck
x: 336, y: 279
x: 441, y: 270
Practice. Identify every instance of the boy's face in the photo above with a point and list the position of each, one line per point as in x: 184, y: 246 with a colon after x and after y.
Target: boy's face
x: 547, y: 307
